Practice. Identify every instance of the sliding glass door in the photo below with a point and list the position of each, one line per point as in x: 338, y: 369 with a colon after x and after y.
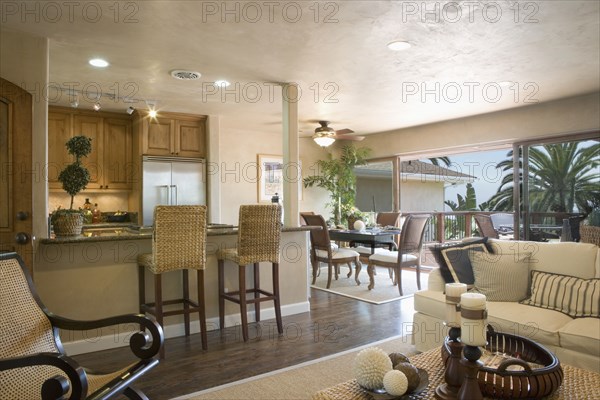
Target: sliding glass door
x: 558, y: 180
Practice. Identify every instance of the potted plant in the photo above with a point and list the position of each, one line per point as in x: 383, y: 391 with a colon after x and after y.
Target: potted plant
x: 337, y: 177
x: 74, y: 178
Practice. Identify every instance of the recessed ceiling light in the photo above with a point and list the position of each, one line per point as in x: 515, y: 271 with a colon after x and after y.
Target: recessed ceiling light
x: 399, y: 45
x: 98, y: 62
x: 222, y: 83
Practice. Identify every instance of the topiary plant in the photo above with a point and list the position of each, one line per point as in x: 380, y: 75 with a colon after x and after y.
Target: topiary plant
x: 74, y: 178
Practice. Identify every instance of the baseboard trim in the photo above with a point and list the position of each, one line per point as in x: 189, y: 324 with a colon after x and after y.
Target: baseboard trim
x: 121, y: 339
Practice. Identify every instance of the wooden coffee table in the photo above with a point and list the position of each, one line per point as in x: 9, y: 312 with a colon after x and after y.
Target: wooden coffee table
x: 577, y: 384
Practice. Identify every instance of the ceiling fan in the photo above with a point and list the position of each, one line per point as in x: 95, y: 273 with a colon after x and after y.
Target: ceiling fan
x: 325, y: 135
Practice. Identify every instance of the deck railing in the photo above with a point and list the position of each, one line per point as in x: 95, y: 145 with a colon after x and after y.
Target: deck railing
x: 456, y: 225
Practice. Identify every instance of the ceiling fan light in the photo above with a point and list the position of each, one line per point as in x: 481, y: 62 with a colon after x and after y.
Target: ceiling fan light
x: 323, y: 140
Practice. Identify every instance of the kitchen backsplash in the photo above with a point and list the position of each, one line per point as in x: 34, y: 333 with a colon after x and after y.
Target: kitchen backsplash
x: 107, y: 202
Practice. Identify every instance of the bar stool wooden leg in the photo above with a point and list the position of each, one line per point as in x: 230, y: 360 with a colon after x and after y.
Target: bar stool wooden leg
x: 202, y: 311
x: 256, y: 293
x: 276, y: 300
x: 398, y: 272
x: 158, y: 306
x: 243, y: 308
x: 221, y: 265
x: 186, y: 302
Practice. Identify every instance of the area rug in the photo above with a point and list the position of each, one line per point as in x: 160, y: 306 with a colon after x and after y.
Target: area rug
x: 302, y: 380
x: 384, y: 290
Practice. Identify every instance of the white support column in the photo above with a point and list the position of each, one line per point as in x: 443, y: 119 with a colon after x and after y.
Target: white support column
x: 291, y: 155
x: 212, y: 170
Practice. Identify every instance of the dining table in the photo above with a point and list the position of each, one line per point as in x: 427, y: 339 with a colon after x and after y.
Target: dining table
x: 369, y: 237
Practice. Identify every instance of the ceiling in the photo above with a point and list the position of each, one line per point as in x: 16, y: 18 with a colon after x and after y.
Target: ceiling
x: 335, y: 51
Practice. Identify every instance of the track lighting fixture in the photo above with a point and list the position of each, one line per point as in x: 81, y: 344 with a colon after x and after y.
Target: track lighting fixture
x: 130, y: 110
x: 152, y: 113
x: 97, y: 106
x: 75, y: 101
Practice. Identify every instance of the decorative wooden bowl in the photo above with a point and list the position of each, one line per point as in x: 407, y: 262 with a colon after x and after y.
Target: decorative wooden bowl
x: 528, y: 382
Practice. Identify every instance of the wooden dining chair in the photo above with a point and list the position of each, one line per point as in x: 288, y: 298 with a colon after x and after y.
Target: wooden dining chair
x: 302, y: 219
x: 321, y: 251
x: 485, y: 226
x: 408, y: 254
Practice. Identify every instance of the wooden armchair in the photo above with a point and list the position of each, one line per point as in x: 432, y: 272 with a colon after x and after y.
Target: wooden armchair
x: 33, y: 364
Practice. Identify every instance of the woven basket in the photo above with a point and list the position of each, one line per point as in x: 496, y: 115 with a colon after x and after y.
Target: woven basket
x: 530, y: 383
x: 590, y: 234
x: 67, y: 224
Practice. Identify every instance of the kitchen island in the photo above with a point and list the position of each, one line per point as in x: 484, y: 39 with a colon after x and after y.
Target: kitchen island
x: 96, y: 276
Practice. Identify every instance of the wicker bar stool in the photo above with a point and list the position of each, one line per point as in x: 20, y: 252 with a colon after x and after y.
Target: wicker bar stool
x: 259, y: 236
x: 178, y: 243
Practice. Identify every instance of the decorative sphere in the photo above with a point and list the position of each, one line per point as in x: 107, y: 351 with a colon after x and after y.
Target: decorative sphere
x: 370, y: 365
x: 398, y: 358
x: 395, y: 383
x: 359, y: 225
x: 412, y: 374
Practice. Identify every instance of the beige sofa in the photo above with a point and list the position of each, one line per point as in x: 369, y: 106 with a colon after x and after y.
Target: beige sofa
x: 575, y: 341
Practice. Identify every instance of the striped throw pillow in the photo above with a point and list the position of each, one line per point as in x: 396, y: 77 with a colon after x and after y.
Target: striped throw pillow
x: 570, y: 295
x: 501, y: 277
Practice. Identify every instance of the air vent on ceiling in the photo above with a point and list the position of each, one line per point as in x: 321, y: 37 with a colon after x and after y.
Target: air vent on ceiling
x: 185, y: 75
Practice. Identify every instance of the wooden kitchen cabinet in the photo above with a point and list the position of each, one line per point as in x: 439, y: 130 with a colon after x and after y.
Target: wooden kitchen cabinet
x: 111, y: 161
x: 174, y: 135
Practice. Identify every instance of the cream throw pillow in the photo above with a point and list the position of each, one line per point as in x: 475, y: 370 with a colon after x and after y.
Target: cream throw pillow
x: 570, y: 295
x: 501, y: 277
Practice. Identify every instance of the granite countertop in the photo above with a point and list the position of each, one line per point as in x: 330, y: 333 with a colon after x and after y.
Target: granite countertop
x: 106, y: 232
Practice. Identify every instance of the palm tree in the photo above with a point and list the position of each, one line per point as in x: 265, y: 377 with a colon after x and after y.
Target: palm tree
x: 562, y: 177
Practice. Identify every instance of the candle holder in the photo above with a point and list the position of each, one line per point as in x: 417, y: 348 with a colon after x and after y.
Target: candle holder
x: 470, y: 388
x: 454, y: 372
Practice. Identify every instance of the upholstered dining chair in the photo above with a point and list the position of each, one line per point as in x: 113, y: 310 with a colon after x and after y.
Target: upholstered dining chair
x: 302, y: 219
x: 485, y: 225
x: 408, y: 254
x: 259, y: 237
x: 33, y: 364
x: 178, y: 243
x: 321, y: 251
x: 383, y: 219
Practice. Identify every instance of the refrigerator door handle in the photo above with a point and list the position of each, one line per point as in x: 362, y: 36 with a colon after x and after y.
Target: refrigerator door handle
x: 176, y: 199
x: 168, y: 193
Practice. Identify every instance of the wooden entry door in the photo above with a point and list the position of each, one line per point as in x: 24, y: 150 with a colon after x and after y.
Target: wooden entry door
x: 16, y: 171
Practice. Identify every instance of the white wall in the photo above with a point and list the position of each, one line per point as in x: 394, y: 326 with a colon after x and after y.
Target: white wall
x: 238, y: 153
x: 378, y: 187
x: 421, y: 196
x: 24, y: 62
x: 558, y: 117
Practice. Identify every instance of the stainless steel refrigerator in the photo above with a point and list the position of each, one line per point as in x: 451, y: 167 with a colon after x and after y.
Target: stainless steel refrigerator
x: 171, y: 181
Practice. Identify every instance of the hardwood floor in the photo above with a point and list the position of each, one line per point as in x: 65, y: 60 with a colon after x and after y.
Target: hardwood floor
x: 334, y: 323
